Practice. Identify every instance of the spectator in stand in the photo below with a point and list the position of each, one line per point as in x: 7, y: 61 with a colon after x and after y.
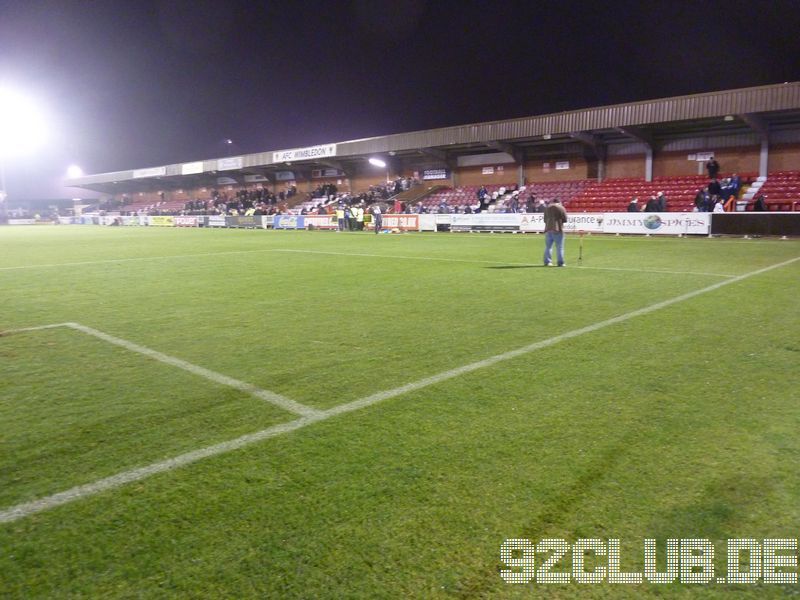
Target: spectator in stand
x: 736, y: 185
x: 652, y: 205
x: 700, y: 199
x: 760, y: 204
x: 482, y: 193
x: 530, y: 205
x: 634, y: 205
x: 719, y: 206
x: 712, y: 166
x: 662, y: 202
x: 714, y: 188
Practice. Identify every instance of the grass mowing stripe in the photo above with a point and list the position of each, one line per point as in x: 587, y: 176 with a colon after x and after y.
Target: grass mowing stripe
x: 380, y: 396
x: 487, y: 262
x: 137, y: 258
x: 22, y: 510
x: 291, y: 250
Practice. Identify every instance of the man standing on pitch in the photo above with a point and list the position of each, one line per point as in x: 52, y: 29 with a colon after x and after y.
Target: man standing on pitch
x: 554, y: 218
x: 377, y: 217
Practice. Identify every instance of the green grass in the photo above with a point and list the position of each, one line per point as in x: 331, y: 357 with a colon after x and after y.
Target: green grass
x: 678, y: 423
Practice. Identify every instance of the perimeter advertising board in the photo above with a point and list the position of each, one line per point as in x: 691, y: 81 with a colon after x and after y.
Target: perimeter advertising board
x: 245, y: 221
x: 215, y: 221
x: 658, y: 223
x: 588, y: 222
x: 485, y: 222
x: 161, y: 221
x: 321, y: 221
x: 401, y: 222
x: 184, y: 221
x: 289, y: 222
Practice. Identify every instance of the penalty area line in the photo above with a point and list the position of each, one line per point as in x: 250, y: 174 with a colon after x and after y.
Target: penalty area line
x: 273, y: 398
x: 23, y: 510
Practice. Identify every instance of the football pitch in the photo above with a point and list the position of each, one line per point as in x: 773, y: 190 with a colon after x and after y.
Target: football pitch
x: 235, y: 413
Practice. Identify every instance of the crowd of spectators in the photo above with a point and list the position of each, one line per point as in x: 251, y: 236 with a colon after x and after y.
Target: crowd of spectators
x: 718, y: 196
x: 657, y: 203
x: 510, y: 199
x: 257, y: 201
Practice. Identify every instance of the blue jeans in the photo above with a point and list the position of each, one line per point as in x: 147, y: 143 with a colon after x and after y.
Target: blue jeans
x: 549, y: 238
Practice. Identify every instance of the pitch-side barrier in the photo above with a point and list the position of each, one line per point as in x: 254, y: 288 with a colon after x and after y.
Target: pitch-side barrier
x: 684, y: 223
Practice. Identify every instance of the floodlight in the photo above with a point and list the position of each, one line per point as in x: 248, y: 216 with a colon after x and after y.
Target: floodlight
x: 377, y: 162
x: 22, y: 126
x: 74, y: 171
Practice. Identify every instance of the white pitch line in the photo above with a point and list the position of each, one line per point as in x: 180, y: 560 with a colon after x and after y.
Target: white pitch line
x: 271, y: 397
x: 37, y: 328
x: 25, y: 509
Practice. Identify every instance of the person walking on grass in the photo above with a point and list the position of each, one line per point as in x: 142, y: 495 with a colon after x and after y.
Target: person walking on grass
x: 554, y: 218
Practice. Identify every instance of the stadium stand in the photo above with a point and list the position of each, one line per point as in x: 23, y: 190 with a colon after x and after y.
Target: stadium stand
x: 781, y: 191
x: 614, y: 195
x: 500, y: 195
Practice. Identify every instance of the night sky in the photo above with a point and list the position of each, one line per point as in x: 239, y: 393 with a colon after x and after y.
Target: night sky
x: 139, y: 83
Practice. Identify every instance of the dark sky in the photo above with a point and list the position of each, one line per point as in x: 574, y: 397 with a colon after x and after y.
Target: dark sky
x: 139, y: 83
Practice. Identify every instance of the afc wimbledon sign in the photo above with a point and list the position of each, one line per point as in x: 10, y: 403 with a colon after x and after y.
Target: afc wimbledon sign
x: 325, y: 151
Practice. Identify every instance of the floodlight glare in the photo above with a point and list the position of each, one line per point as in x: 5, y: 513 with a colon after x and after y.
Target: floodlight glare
x: 74, y: 171
x: 22, y: 126
x: 377, y: 162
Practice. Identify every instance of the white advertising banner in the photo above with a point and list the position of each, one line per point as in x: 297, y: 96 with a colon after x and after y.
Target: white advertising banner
x: 658, y: 223
x: 433, y: 174
x: 192, y: 168
x: 186, y: 221
x: 216, y: 221
x: 232, y: 162
x: 312, y: 152
x: 588, y: 222
x: 402, y: 222
x: 151, y: 172
x: 321, y: 221
x: 485, y: 221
